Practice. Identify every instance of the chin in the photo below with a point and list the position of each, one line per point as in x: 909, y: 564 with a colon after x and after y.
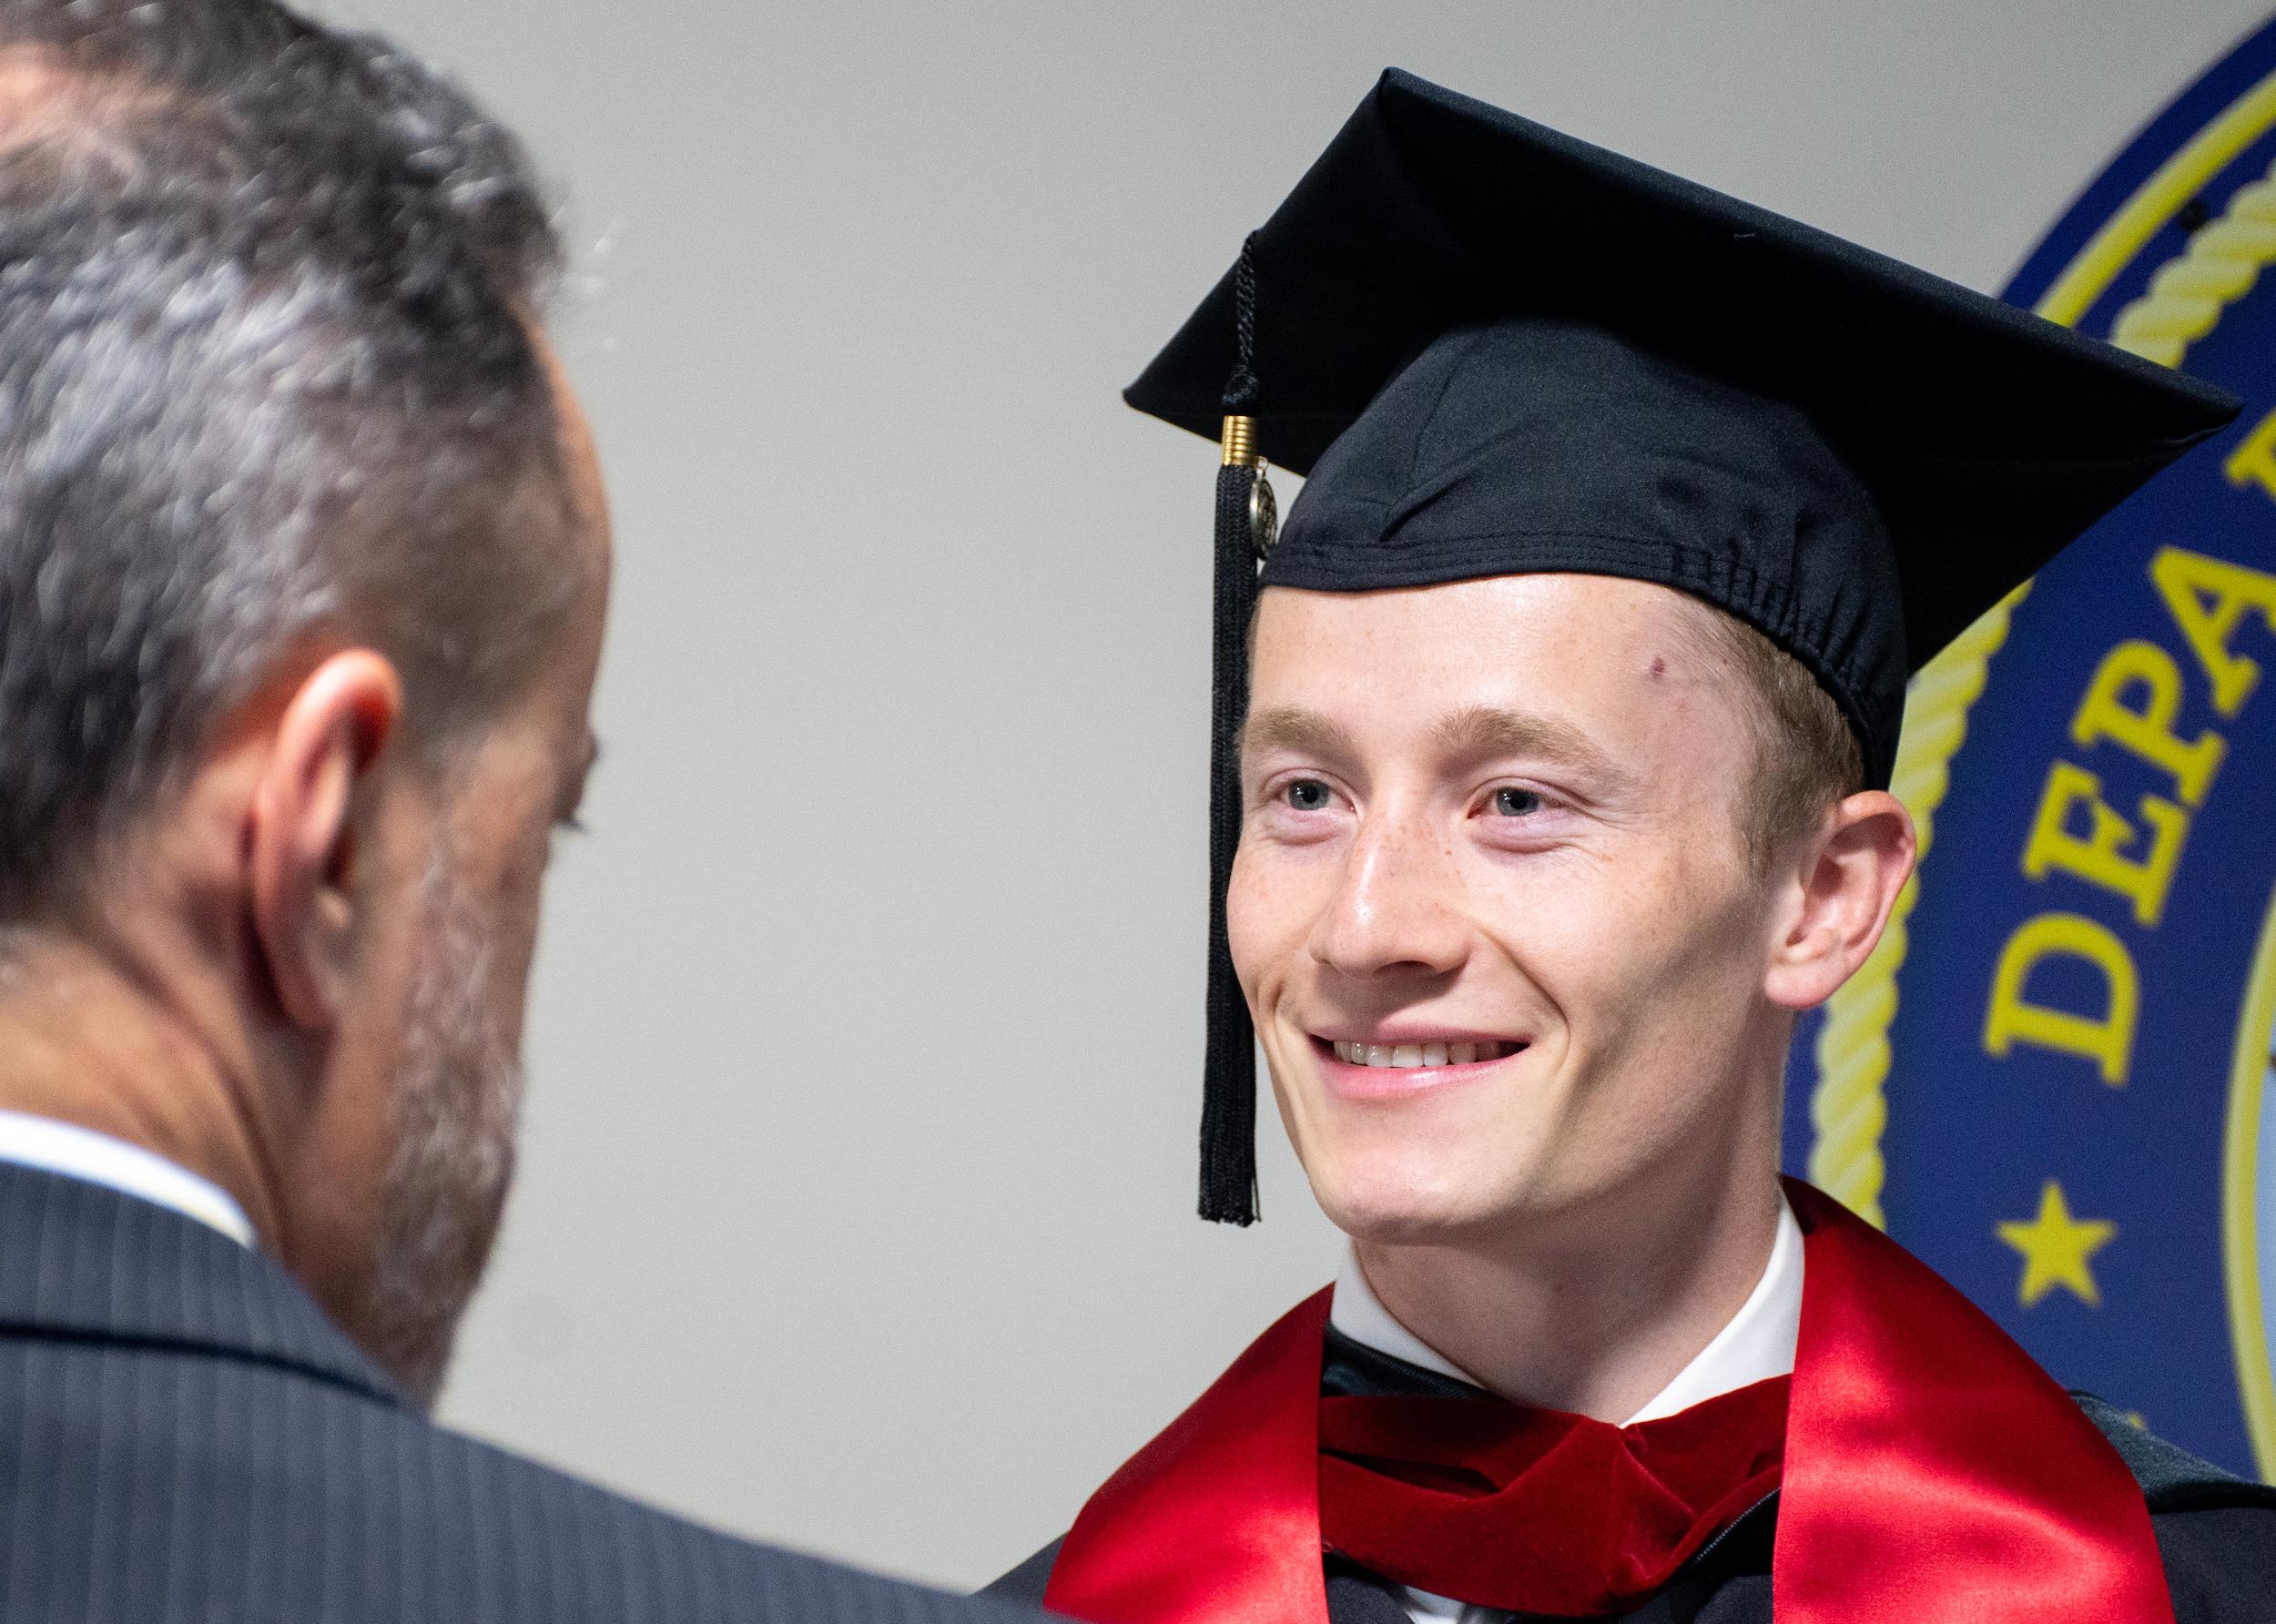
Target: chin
x: 1399, y: 1194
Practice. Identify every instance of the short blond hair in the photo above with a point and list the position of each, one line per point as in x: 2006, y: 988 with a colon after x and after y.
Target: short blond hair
x: 1806, y: 754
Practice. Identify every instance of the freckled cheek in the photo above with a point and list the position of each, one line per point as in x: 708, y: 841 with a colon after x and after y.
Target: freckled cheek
x: 1666, y: 993
x: 1269, y: 908
x: 1592, y: 942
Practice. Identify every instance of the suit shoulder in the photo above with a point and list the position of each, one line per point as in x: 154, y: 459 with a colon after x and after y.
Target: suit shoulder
x: 1026, y: 1583
x: 298, y: 1498
x: 652, y: 1562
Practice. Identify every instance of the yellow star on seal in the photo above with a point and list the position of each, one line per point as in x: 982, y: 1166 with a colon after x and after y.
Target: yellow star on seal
x: 2056, y: 1248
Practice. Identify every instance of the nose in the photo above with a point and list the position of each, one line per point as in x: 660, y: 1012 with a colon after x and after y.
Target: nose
x: 1392, y: 914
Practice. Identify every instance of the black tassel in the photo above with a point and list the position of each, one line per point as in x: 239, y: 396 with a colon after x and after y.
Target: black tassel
x: 1229, y: 1111
x: 1244, y: 524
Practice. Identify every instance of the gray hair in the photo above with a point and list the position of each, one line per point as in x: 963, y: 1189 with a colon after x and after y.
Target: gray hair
x: 267, y: 372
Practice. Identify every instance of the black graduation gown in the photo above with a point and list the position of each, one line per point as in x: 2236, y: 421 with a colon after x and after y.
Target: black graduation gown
x: 2217, y: 1532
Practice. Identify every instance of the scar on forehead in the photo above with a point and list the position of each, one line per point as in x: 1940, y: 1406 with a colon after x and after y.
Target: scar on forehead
x: 1659, y: 665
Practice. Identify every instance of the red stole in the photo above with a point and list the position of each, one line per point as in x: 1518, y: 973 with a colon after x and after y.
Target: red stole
x: 1933, y: 1475
x: 1538, y: 1511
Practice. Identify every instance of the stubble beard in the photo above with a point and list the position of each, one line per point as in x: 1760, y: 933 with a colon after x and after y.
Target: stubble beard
x: 457, y: 1101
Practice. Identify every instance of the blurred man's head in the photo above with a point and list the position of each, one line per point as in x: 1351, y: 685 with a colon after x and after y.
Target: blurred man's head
x: 303, y: 559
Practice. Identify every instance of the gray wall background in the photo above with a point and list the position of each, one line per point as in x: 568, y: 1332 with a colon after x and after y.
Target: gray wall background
x: 855, y: 1208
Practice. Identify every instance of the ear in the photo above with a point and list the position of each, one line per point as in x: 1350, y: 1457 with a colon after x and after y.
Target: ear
x: 303, y: 835
x: 1847, y: 883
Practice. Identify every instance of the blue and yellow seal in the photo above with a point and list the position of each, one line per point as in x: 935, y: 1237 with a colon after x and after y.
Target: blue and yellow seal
x: 2053, y: 1081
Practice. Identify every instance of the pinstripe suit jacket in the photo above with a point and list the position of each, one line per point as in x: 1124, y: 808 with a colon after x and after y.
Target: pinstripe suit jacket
x: 185, y: 1437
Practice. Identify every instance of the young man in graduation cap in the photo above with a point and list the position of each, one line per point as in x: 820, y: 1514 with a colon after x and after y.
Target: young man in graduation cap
x: 1551, y: 783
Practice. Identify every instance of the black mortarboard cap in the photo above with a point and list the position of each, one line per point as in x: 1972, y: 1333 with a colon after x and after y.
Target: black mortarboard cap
x: 1497, y: 350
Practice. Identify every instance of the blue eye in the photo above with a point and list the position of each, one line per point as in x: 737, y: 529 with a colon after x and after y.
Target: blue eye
x: 1513, y: 802
x: 1307, y: 795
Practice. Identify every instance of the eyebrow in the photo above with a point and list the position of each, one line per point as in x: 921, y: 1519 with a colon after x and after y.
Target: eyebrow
x: 1286, y: 727
x: 1481, y: 731
x: 1475, y: 733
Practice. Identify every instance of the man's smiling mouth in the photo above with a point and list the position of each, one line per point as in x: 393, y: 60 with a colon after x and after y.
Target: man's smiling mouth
x: 1410, y: 1056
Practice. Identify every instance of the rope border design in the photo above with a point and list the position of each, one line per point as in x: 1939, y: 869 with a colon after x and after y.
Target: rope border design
x: 2184, y: 301
x: 2190, y: 294
x: 1849, y: 1108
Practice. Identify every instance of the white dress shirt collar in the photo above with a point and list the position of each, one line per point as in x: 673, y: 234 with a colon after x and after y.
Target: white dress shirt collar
x: 79, y: 1153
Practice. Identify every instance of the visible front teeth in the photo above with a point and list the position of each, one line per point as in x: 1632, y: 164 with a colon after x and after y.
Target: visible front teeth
x: 1408, y: 1055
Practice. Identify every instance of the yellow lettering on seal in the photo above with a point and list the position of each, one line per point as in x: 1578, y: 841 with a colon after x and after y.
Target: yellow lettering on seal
x: 2107, y: 1039
x: 2097, y: 858
x: 2141, y: 669
x: 2254, y: 460
x: 2188, y: 580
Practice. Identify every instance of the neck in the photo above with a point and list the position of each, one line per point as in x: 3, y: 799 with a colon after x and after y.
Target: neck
x: 87, y: 1038
x: 1595, y: 1311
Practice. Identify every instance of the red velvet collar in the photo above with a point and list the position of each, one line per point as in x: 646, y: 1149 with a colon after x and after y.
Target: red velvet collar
x: 1934, y: 1474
